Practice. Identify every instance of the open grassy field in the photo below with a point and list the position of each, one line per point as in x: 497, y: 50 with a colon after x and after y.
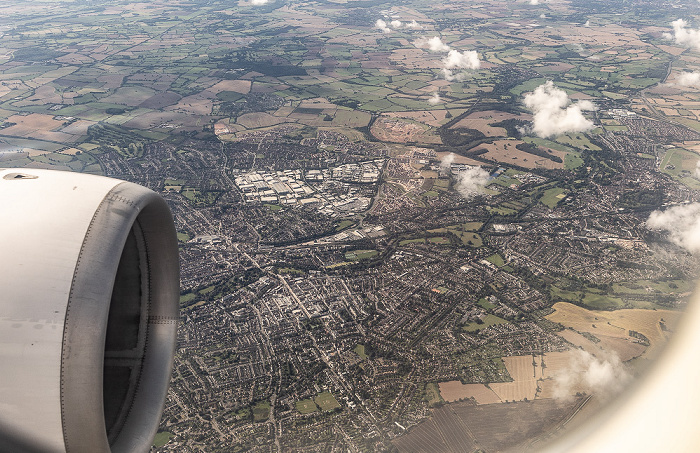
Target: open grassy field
x: 306, y: 406
x: 553, y: 196
x: 261, y: 411
x: 162, y: 438
x: 489, y: 320
x: 360, y: 351
x: 357, y: 255
x: 680, y: 164
x: 432, y: 394
x: 496, y: 260
x: 326, y: 401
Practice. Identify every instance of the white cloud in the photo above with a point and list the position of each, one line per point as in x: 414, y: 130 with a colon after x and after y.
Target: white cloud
x: 433, y: 44
x: 689, y: 79
x: 258, y: 2
x: 471, y: 182
x: 468, y: 59
x: 604, y: 375
x: 587, y: 24
x: 435, y: 99
x: 553, y: 113
x: 395, y: 24
x: 534, y: 2
x: 412, y: 24
x: 446, y: 162
x: 381, y: 24
x: 697, y: 170
x: 683, y: 35
x: 682, y: 223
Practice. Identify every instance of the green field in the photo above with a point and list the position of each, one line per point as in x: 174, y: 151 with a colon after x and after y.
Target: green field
x: 306, y: 406
x: 412, y: 241
x: 489, y: 320
x: 261, y: 411
x: 496, y: 260
x: 472, y: 226
x: 681, y: 164
x: 432, y: 394
x: 360, y: 350
x: 553, y: 196
x: 485, y: 304
x: 357, y: 255
x: 162, y: 438
x: 326, y: 401
x: 343, y: 224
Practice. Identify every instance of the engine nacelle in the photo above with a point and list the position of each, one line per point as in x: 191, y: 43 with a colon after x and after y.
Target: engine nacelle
x: 89, y: 301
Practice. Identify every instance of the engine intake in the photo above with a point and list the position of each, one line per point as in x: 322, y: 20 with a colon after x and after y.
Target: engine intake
x: 89, y: 295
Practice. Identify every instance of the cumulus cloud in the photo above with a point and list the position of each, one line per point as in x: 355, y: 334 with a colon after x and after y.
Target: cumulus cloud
x: 381, y: 24
x: 587, y: 24
x: 683, y: 35
x: 412, y: 24
x: 553, y: 112
x: 534, y: 2
x: 697, y: 170
x: 689, y: 79
x: 395, y: 24
x: 604, y: 375
x: 455, y: 59
x: 682, y: 223
x: 471, y: 182
x: 435, y: 99
x: 258, y: 2
x: 433, y: 44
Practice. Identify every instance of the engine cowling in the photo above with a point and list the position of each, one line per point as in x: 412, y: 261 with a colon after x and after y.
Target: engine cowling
x: 89, y: 301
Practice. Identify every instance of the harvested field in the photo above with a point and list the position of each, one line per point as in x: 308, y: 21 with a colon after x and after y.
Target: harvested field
x: 524, y: 383
x: 29, y: 125
x: 238, y: 86
x: 465, y: 427
x: 527, y: 373
x: 454, y: 391
x: 617, y: 324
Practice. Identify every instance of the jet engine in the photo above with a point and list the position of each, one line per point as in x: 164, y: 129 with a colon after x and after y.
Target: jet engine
x: 89, y: 300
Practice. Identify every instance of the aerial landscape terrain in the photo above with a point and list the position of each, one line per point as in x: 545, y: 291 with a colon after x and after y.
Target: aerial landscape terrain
x: 403, y: 225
